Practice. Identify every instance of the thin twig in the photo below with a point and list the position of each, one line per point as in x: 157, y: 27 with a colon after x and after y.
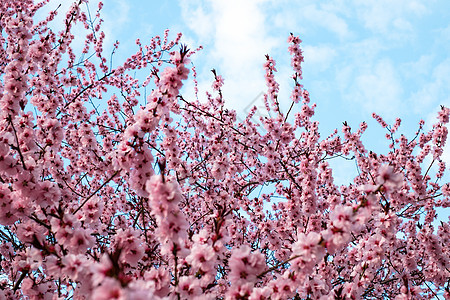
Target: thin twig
x: 96, y: 191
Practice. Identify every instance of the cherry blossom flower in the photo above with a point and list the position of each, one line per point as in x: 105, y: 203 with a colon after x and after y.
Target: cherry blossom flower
x: 109, y: 192
x: 245, y: 265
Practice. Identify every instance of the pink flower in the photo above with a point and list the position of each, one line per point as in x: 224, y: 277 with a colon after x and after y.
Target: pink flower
x: 92, y: 210
x: 245, y: 265
x: 444, y: 114
x: 189, y: 287
x: 109, y: 289
x: 160, y: 280
x: 73, y: 265
x: 368, y: 188
x: 29, y: 231
x: 390, y: 180
x: 341, y: 217
x: 170, y: 81
x: 307, y: 246
x: 239, y: 291
x: 132, y: 249
x: 202, y: 257
x: 81, y: 240
x: 218, y: 82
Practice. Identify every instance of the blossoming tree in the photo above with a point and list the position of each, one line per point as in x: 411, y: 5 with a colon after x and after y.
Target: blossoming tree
x: 107, y: 195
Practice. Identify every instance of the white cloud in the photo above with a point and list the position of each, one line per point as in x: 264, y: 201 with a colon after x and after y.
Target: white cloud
x: 421, y: 67
x: 306, y: 17
x: 198, y: 20
x: 445, y: 34
x: 119, y: 15
x: 327, y: 19
x: 241, y: 37
x: 319, y: 58
x: 358, y: 68
x: 382, y: 16
x: 235, y: 36
x: 402, y: 25
x: 446, y: 155
x: 376, y: 89
x: 435, y: 91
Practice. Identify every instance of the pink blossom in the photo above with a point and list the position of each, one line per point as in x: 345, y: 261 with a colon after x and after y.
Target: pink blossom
x: 114, y: 186
x: 444, y: 114
x: 390, y: 180
x: 341, y: 217
x: 73, y: 265
x: 189, y: 287
x: 202, y: 257
x: 218, y: 83
x: 245, y: 265
x: 108, y: 289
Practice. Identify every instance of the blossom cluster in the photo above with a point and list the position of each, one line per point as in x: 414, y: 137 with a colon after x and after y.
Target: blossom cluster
x: 107, y: 195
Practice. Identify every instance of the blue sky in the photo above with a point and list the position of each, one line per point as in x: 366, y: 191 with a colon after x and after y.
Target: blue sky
x: 383, y: 56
